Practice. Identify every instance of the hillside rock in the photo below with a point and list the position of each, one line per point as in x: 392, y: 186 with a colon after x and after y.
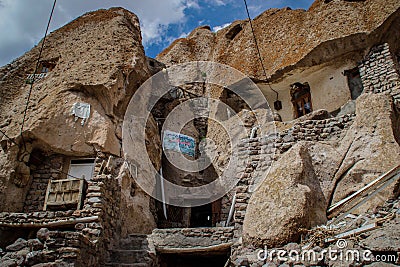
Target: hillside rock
x: 286, y: 37
x: 369, y: 149
x: 290, y: 198
x: 99, y: 59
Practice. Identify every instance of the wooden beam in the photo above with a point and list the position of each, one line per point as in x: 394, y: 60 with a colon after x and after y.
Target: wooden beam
x: 367, y: 197
x: 214, y: 248
x: 369, y: 187
x: 353, y: 232
x: 58, y: 223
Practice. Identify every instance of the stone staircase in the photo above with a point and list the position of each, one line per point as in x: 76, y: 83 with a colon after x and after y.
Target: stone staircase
x: 133, y: 251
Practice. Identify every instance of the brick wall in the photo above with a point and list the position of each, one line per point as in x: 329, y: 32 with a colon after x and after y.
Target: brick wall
x: 379, y: 72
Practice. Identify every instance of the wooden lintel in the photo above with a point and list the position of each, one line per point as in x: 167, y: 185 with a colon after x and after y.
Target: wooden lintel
x: 210, y: 249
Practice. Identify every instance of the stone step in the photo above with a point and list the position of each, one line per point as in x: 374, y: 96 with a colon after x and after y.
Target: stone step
x: 134, y: 242
x: 129, y: 256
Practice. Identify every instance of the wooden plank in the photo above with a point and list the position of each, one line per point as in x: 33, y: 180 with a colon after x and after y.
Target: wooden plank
x: 47, y: 195
x: 368, y: 197
x: 64, y: 192
x: 353, y: 232
x: 359, y: 193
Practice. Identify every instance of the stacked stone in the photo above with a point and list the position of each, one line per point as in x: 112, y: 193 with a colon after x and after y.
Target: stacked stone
x: 40, y: 175
x: 249, y: 153
x: 313, y: 130
x: 257, y: 154
x: 92, y: 238
x: 102, y: 200
x: 378, y: 72
x: 43, y: 217
x: 191, y: 237
x: 55, y: 248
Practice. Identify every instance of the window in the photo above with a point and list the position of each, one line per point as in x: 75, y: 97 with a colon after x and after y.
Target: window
x: 301, y: 99
x: 81, y: 168
x: 46, y: 67
x: 354, y: 81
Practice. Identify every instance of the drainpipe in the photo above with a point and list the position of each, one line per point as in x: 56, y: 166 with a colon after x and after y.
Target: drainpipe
x: 231, y: 210
x: 163, y: 194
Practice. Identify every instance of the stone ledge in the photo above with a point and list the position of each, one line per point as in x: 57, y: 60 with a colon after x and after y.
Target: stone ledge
x: 53, y: 223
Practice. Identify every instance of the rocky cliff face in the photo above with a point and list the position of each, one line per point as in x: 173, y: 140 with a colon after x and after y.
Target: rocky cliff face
x: 287, y: 38
x: 97, y: 59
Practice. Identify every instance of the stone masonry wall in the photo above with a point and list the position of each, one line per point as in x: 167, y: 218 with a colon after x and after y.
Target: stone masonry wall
x: 50, y: 168
x: 378, y: 72
x: 88, y: 234
x: 41, y: 173
x: 261, y: 151
x: 191, y: 237
x: 54, y: 248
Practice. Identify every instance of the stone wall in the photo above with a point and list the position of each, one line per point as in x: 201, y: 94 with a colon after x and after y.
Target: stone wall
x: 312, y: 130
x: 181, y: 238
x: 94, y: 226
x: 51, y: 167
x: 378, y: 72
x: 55, y: 248
x: 262, y: 151
x: 41, y: 173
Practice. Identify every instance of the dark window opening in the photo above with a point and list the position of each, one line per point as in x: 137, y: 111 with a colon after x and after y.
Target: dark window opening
x: 208, y: 215
x: 301, y: 99
x: 355, y: 83
x: 231, y: 34
x: 46, y: 67
x: 201, y: 216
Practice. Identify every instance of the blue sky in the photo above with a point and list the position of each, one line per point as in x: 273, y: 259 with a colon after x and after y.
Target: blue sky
x: 23, y: 21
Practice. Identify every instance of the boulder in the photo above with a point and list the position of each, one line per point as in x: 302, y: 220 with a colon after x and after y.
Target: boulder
x: 35, y: 244
x: 19, y: 244
x: 43, y: 234
x: 289, y: 198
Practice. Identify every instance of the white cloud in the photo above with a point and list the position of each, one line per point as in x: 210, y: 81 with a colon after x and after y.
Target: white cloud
x: 220, y: 27
x: 22, y: 24
x: 218, y: 2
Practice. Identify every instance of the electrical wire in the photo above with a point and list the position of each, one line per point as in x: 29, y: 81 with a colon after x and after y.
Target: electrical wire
x: 34, y: 74
x: 29, y: 96
x: 258, y: 50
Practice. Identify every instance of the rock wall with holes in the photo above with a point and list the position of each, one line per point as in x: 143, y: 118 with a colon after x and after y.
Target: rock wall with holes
x: 380, y: 72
